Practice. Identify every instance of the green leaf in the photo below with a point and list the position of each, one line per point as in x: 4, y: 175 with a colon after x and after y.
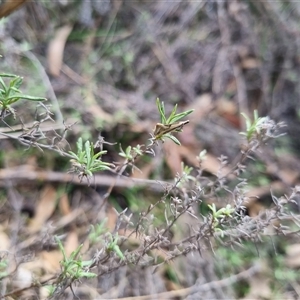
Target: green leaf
x: 74, y: 155
x: 79, y: 144
x: 32, y: 98
x: 247, y: 120
x: 75, y: 253
x: 169, y: 121
x: 12, y: 99
x: 173, y: 138
x: 128, y: 151
x: 181, y: 115
x: 88, y: 150
x: 88, y: 274
x: 16, y: 90
x: 137, y: 150
x: 89, y: 173
x: 7, y: 75
x: 161, y: 109
x: 119, y: 252
x: 16, y: 82
x: 61, y: 247
x: 161, y: 106
x: 99, y: 154
x: 212, y: 207
x: 3, y: 85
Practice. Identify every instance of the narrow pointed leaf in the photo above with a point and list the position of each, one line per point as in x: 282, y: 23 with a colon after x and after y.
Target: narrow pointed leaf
x: 178, y: 117
x: 169, y: 120
x: 173, y: 138
x: 7, y: 75
x: 3, y: 84
x: 161, y: 109
x: 79, y: 144
x: 32, y: 98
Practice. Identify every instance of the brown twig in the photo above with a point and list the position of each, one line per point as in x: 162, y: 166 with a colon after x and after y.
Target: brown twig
x: 25, y: 174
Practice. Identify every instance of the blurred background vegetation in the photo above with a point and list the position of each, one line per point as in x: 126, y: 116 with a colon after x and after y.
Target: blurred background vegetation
x: 103, y: 63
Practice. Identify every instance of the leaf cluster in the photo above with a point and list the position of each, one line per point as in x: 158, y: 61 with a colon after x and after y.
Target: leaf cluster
x: 253, y: 127
x: 170, y: 124
x: 173, y: 116
x: 10, y: 93
x: 131, y: 152
x: 85, y: 162
x: 74, y: 267
x: 218, y: 215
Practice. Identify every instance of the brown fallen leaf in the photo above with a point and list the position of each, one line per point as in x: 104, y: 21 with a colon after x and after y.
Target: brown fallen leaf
x: 224, y: 105
x: 56, y: 49
x: 112, y: 218
x: 45, y: 208
x: 293, y: 256
x: 173, y: 157
x: 50, y: 261
x: 64, y: 205
x: 145, y: 171
x: 71, y: 242
x: 228, y: 110
x: 250, y: 63
x: 4, y: 241
x: 142, y: 126
x: 9, y: 6
x: 259, y: 284
x: 211, y: 164
x: 255, y: 208
x: 202, y: 106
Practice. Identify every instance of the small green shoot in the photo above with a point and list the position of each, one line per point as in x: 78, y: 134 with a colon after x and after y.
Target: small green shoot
x: 253, y: 127
x: 3, y: 268
x: 95, y: 235
x: 171, y: 124
x: 50, y: 289
x: 127, y: 153
x: 86, y: 162
x: 218, y: 215
x: 74, y: 267
x: 186, y: 175
x: 10, y: 93
x: 113, y: 246
x: 131, y: 152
